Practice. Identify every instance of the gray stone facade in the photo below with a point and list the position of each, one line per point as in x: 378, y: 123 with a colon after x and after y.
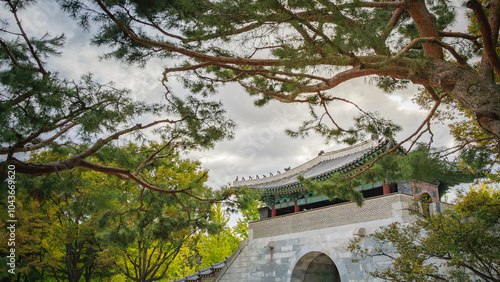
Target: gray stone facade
x: 277, y: 247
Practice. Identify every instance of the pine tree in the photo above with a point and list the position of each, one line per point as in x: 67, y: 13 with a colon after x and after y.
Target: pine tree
x: 41, y: 110
x: 298, y: 51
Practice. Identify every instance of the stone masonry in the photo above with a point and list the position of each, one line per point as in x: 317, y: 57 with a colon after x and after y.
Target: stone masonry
x: 276, y: 245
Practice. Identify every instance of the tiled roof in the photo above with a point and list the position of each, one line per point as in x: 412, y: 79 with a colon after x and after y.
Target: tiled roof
x: 207, y: 272
x: 324, y: 164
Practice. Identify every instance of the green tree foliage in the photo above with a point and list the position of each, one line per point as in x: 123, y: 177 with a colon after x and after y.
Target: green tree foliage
x: 186, y: 262
x: 459, y: 244
x: 476, y: 149
x: 147, y: 232
x: 58, y: 237
x: 215, y: 247
x: 28, y: 242
x: 251, y: 213
x: 82, y: 224
x: 40, y: 110
x: 421, y: 164
x: 206, y: 248
x: 299, y: 51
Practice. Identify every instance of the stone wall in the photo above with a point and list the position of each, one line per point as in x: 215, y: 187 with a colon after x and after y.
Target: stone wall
x: 275, y: 245
x: 342, y: 214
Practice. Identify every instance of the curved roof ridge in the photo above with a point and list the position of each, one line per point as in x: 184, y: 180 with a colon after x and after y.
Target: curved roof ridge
x: 320, y: 158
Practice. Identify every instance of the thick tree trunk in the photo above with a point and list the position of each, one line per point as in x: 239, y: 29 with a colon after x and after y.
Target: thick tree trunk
x: 426, y: 25
x: 465, y: 84
x: 476, y: 92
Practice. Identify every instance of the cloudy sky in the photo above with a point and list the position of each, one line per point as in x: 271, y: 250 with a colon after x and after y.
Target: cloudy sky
x: 260, y: 145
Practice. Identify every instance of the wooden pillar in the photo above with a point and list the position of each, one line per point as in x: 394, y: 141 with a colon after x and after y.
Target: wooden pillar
x: 386, y: 189
x: 296, y: 207
x: 273, y: 211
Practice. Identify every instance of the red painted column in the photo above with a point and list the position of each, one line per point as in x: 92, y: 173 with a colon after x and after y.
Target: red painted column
x: 273, y: 211
x: 296, y: 207
x: 386, y: 189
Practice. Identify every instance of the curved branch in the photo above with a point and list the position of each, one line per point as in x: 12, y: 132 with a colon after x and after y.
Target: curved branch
x: 186, y: 52
x: 153, y: 156
x: 4, y: 150
x: 330, y: 116
x: 151, y: 24
x: 47, y: 168
x: 41, y: 69
x: 467, y: 36
x: 455, y: 149
x: 461, y: 61
x: 393, y: 71
x: 323, y: 99
x: 381, y: 4
x: 488, y: 41
x: 267, y: 73
x: 393, y: 149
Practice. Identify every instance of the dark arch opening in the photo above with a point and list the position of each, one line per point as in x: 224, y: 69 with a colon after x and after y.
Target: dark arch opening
x: 315, y: 267
x: 425, y: 201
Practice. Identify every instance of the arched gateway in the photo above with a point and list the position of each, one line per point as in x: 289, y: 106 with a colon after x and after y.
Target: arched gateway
x: 303, y: 237
x: 315, y: 267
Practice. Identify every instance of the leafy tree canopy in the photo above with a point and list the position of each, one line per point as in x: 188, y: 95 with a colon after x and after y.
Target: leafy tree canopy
x: 81, y: 223
x: 459, y: 244
x: 42, y: 110
x: 214, y: 248
x: 421, y: 164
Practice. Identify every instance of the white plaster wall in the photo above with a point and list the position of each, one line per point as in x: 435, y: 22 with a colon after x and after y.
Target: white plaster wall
x: 257, y: 262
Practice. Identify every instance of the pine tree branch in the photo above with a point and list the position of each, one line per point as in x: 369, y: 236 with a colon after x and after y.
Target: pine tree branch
x: 13, y: 10
x: 397, y: 146
x: 39, y: 145
x: 219, y: 59
x: 151, y: 23
x: 123, y: 174
x: 486, y: 34
x: 393, y: 21
x: 455, y: 149
x: 393, y: 71
x: 186, y: 52
x: 47, y: 168
x: 467, y: 36
x: 237, y: 31
x: 57, y: 123
x: 425, y: 22
x: 327, y: 112
x: 271, y: 74
x: 10, y: 54
x: 381, y: 4
x: 152, y: 156
x: 461, y: 61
